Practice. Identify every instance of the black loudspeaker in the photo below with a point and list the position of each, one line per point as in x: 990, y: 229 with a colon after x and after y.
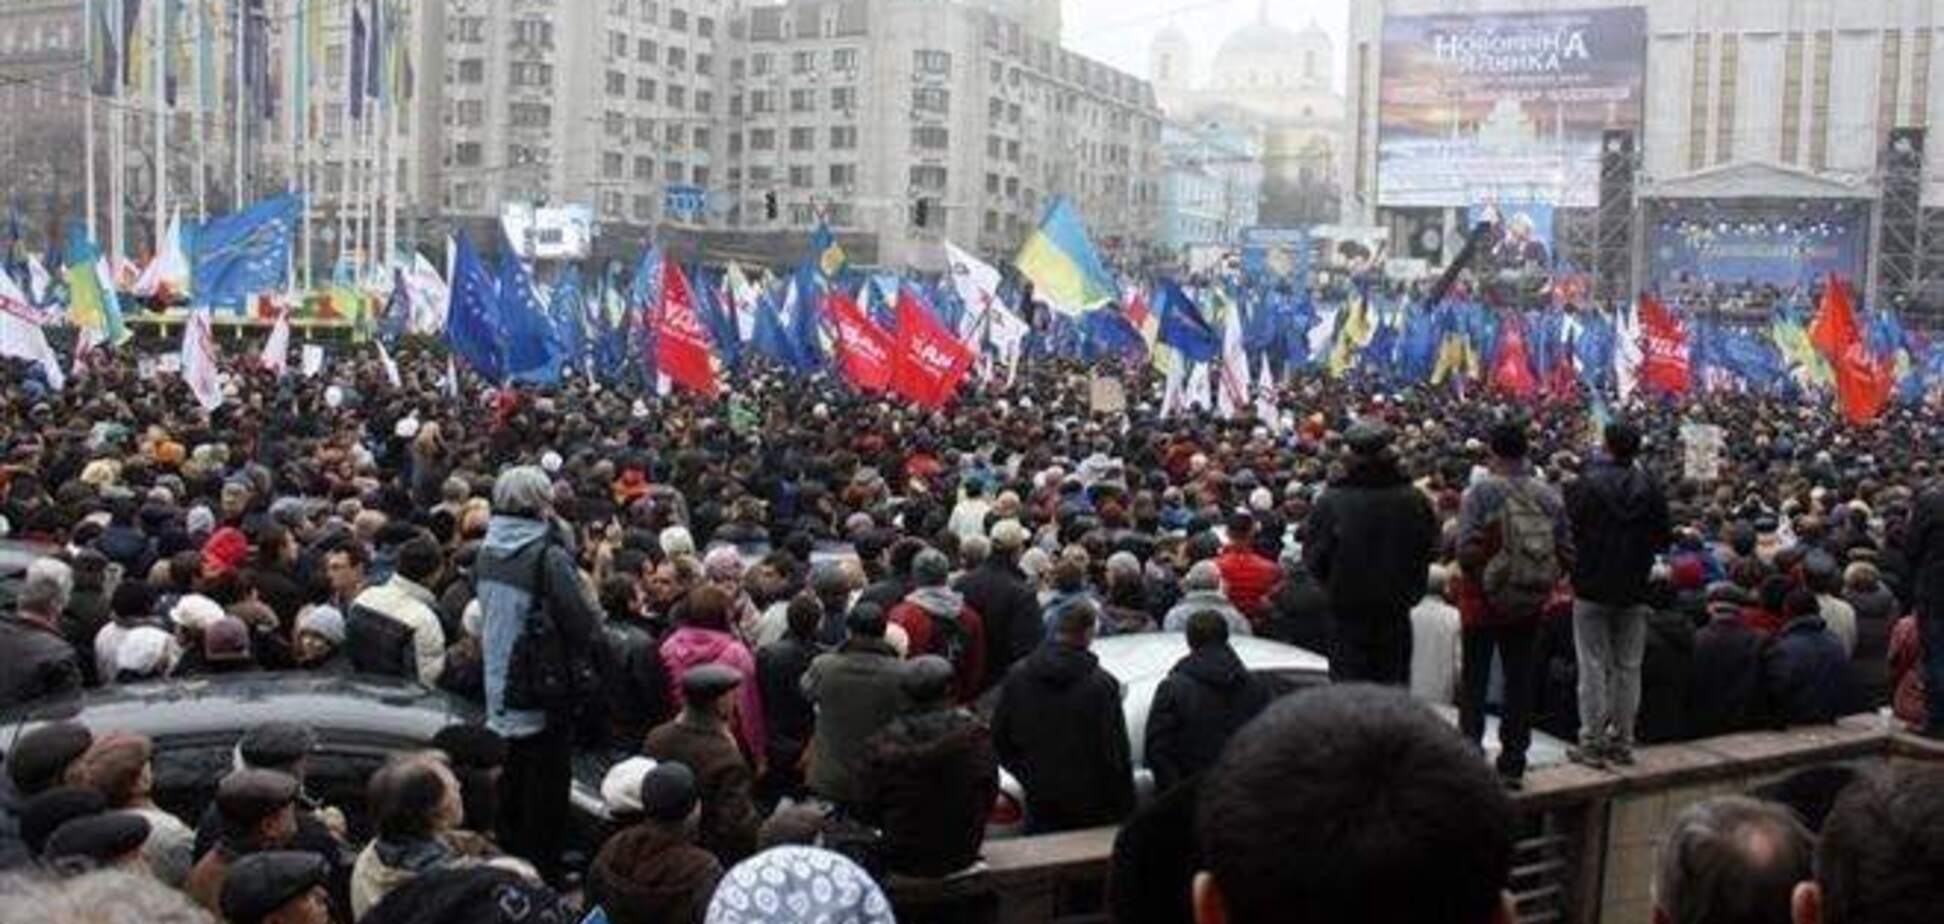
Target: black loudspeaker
x: 1613, y: 246
x: 1900, y: 262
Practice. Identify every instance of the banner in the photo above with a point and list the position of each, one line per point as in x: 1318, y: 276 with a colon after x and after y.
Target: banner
x: 930, y: 362
x: 1703, y: 256
x: 1509, y: 106
x: 863, y: 350
x: 681, y: 343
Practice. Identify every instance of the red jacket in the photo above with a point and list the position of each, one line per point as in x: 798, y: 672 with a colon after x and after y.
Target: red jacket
x: 1248, y: 579
x: 921, y: 629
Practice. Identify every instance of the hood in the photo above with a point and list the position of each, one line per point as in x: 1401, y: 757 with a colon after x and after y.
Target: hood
x: 691, y: 645
x: 1623, y: 491
x: 1060, y: 666
x: 941, y: 602
x: 1213, y: 665
x: 506, y: 536
x: 932, y: 739
x: 1204, y: 599
x: 644, y: 872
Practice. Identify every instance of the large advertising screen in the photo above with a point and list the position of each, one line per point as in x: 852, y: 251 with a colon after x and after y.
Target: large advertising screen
x: 1506, y: 107
x: 1693, y: 256
x: 564, y: 232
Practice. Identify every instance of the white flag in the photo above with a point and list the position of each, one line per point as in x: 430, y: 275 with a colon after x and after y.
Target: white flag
x: 977, y: 285
x: 427, y: 294
x: 1627, y: 355
x: 1232, y: 391
x: 1265, y: 395
x: 168, y: 271
x: 21, y: 335
x: 199, y: 360
x: 746, y: 298
x: 1174, y: 393
x: 276, y: 350
x: 38, y: 279
x: 451, y: 382
x: 391, y: 368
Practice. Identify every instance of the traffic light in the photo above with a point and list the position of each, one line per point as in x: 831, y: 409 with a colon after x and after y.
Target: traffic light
x: 769, y: 204
x: 923, y: 213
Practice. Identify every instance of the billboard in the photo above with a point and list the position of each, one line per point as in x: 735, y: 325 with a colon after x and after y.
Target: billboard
x: 1506, y: 107
x: 1745, y: 254
x: 1521, y: 239
x: 549, y: 232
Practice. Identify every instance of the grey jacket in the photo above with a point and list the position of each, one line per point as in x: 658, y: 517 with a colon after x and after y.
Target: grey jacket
x: 858, y: 690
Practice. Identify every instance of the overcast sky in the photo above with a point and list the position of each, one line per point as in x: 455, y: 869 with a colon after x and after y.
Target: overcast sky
x: 1118, y: 31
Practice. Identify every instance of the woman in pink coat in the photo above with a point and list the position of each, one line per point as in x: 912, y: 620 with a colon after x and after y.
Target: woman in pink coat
x: 703, y: 637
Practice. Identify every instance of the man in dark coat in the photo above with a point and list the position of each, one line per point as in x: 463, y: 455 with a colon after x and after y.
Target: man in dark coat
x: 998, y: 592
x: 1924, y: 548
x: 1369, y: 543
x: 929, y: 777
x: 1620, y: 523
x: 858, y: 690
x: 1666, y: 668
x: 1206, y: 697
x: 652, y: 872
x: 1728, y: 656
x: 788, y: 715
x: 39, y: 662
x: 1805, y: 671
x: 699, y: 738
x: 1059, y: 729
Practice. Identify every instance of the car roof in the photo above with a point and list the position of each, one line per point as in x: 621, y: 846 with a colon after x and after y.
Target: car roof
x: 1148, y: 656
x: 339, y: 708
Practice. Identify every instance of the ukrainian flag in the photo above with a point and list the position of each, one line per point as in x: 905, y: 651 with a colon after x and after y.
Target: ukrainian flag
x: 1792, y: 339
x: 830, y: 258
x: 1353, y: 334
x: 1065, y: 270
x: 92, y: 305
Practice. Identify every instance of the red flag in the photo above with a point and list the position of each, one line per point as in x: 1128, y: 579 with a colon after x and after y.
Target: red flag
x: 681, y: 343
x: 1863, y: 383
x: 929, y: 363
x: 863, y: 351
x: 1664, y: 349
x: 1512, y: 368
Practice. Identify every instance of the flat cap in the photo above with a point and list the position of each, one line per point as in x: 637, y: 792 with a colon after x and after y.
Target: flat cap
x: 249, y: 796
x: 260, y: 883
x: 40, y: 756
x: 276, y: 744
x: 668, y: 792
x: 928, y: 679
x: 45, y: 813
x: 621, y: 788
x: 100, y: 837
x: 471, y: 746
x: 709, y: 682
x: 1366, y: 437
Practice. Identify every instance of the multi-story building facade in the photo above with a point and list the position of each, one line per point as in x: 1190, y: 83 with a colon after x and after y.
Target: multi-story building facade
x: 918, y: 121
x: 1211, y: 185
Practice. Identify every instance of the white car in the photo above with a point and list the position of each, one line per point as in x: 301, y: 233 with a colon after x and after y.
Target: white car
x: 1141, y: 661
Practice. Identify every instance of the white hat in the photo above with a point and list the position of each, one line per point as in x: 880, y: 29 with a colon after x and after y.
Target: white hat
x: 333, y: 396
x: 145, y: 650
x: 406, y: 428
x: 195, y: 611
x: 550, y: 461
x: 323, y: 621
x: 621, y: 788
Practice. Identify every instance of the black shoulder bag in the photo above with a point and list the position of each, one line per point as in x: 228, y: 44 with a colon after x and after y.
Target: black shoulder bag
x: 544, y: 672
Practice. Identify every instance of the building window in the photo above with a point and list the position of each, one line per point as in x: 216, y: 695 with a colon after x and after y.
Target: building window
x: 928, y: 177
x: 645, y: 89
x: 1819, y: 104
x: 995, y: 148
x: 644, y: 129
x: 612, y: 164
x: 931, y: 99
x: 762, y: 101
x: 678, y: 19
x: 471, y: 70
x: 928, y: 61
x: 995, y: 109
x: 803, y: 62
x: 699, y: 175
x: 1729, y: 75
x: 803, y: 139
x: 759, y: 64
x: 1698, y: 103
x: 644, y: 168
x: 644, y: 208
x: 705, y: 64
x: 676, y: 97
x: 472, y: 112
x: 843, y: 175
x: 931, y: 137
x: 704, y: 101
x: 802, y: 178
x: 533, y: 33
x: 762, y: 139
x: 735, y: 144
x: 468, y: 154
x: 529, y: 115
x: 1891, y: 68
x: 646, y: 50
x: 701, y: 138
x: 760, y: 176
x: 676, y: 58
x: 531, y: 74
x: 616, y: 125
x: 843, y: 99
x: 705, y: 27
x: 675, y: 136
x: 674, y: 171
x: 802, y: 100
x: 617, y: 83
x: 843, y: 59
x: 992, y: 184
x: 843, y: 137
x: 469, y: 30
x: 618, y: 44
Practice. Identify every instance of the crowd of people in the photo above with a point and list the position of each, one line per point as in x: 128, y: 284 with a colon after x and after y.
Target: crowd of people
x: 808, y: 628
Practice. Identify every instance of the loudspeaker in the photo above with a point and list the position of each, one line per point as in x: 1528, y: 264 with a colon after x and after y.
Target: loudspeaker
x: 1900, y: 262
x: 1613, y: 246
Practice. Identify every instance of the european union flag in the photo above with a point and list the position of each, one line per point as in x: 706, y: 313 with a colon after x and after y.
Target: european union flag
x: 769, y: 338
x: 707, y: 287
x: 235, y: 257
x: 530, y: 354
x: 1183, y: 327
x: 1109, y: 335
x: 473, y: 326
x: 567, y: 314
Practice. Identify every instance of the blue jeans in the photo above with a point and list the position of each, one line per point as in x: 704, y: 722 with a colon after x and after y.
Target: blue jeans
x: 1930, y: 628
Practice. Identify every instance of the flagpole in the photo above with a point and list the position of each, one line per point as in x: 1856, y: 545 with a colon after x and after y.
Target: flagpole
x: 158, y: 72
x: 237, y: 200
x: 296, y: 73
x: 88, y: 118
x: 198, y: 113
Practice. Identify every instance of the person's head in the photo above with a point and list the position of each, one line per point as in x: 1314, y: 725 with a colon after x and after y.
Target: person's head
x: 1008, y: 539
x: 257, y: 808
x: 928, y: 682
x: 42, y: 758
x: 706, y: 689
x: 117, y: 765
x: 1204, y: 577
x: 831, y: 583
x: 277, y: 887
x: 1508, y: 441
x: 1881, y: 859
x: 973, y: 551
x: 344, y: 567
x: 477, y: 756
x: 1622, y: 441
x: 102, y: 840
x: 523, y: 491
x: 320, y: 632
x: 1076, y: 623
x: 930, y: 568
x: 414, y: 797
x: 708, y: 607
x: 113, y: 894
x: 804, y: 614
x: 1353, y: 803
x: 1241, y: 527
x: 45, y: 591
x: 865, y: 621
x: 1731, y: 860
x: 668, y: 797
x: 420, y: 560
x: 1205, y: 628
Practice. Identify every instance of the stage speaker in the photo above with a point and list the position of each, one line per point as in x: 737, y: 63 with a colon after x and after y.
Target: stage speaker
x: 1613, y: 244
x: 1900, y: 269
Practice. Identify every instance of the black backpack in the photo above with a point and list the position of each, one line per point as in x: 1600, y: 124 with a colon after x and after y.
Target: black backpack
x: 544, y: 673
x: 379, y: 644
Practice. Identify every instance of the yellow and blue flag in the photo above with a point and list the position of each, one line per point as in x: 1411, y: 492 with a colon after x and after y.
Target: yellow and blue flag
x: 92, y: 304
x: 1065, y: 270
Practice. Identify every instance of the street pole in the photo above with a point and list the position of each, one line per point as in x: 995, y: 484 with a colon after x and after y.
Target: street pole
x: 158, y: 72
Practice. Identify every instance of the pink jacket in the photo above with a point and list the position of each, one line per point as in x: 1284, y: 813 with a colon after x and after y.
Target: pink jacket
x: 688, y: 647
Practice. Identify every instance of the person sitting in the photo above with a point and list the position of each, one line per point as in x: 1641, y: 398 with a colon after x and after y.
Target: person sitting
x: 1805, y: 672
x: 652, y: 872
x: 699, y: 739
x: 416, y: 807
x: 1731, y: 860
x: 1352, y: 803
x: 1881, y: 856
x: 1206, y: 697
x: 928, y: 778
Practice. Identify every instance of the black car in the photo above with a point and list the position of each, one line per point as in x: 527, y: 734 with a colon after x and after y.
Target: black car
x: 195, y: 724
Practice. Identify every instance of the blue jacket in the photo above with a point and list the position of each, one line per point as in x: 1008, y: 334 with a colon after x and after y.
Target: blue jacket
x: 506, y: 572
x: 1805, y: 674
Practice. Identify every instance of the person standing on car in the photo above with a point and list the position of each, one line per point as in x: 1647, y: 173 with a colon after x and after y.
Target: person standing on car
x: 1369, y: 542
x: 40, y: 662
x: 1059, y: 729
x: 1620, y: 524
x: 929, y: 777
x: 393, y: 628
x: 857, y: 690
x: 699, y: 739
x: 524, y: 555
x: 938, y: 622
x: 1206, y: 697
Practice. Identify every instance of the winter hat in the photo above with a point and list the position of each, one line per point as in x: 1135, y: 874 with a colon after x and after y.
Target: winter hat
x: 225, y: 551
x: 323, y: 621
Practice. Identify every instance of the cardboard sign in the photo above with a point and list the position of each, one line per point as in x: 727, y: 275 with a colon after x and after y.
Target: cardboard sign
x: 313, y: 360
x: 1106, y: 395
x: 1701, y: 448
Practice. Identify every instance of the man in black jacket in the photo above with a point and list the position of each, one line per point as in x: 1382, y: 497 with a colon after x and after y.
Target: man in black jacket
x: 789, y: 718
x: 1620, y: 523
x: 997, y: 590
x: 1728, y: 664
x: 1059, y: 729
x: 1206, y: 697
x: 39, y: 662
x: 1924, y: 546
x: 929, y: 777
x: 1369, y: 543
